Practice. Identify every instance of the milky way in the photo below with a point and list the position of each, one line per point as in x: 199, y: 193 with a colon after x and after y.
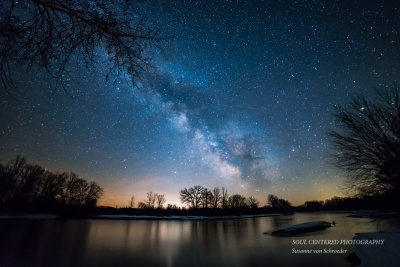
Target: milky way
x: 241, y: 96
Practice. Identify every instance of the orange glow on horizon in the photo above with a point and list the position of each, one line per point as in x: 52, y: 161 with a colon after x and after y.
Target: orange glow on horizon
x: 295, y: 194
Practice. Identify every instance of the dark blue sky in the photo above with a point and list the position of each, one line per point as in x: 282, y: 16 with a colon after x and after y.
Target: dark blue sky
x: 242, y: 96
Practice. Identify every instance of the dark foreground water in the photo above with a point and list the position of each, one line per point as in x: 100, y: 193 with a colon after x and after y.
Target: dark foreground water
x: 229, y: 242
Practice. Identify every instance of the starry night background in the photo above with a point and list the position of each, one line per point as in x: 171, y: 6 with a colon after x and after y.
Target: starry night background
x: 242, y: 96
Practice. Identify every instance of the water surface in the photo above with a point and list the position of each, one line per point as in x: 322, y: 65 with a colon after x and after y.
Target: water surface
x: 229, y: 242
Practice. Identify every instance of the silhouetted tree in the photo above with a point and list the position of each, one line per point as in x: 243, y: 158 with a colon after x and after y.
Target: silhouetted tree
x: 278, y: 203
x: 334, y: 202
x: 132, y: 202
x: 74, y: 190
x: 22, y: 183
x: 206, y: 198
x: 93, y: 194
x: 28, y: 184
x: 160, y: 200
x: 237, y: 201
x: 142, y: 205
x: 52, y: 33
x: 272, y: 200
x: 367, y: 139
x: 224, y: 198
x: 191, y: 196
x: 314, y: 204
x: 150, y: 199
x: 78, y: 192
x: 216, y: 197
x: 52, y: 185
x: 172, y: 207
x: 253, y: 203
x: 11, y: 174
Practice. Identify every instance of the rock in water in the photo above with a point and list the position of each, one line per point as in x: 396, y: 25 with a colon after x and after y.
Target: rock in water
x: 302, y: 228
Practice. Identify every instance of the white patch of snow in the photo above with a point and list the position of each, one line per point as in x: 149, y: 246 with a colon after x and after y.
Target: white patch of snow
x: 302, y: 228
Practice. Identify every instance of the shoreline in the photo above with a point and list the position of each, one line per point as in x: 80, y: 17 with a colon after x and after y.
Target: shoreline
x: 189, y: 217
x: 42, y: 216
x: 373, y: 214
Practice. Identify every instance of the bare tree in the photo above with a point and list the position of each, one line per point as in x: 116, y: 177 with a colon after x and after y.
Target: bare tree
x: 272, y: 200
x: 216, y: 197
x: 224, y: 198
x: 191, y: 196
x: 172, y: 207
x: 51, y: 190
x: 132, y: 202
x: 314, y: 204
x: 150, y: 199
x: 78, y: 192
x: 278, y: 203
x: 94, y: 192
x: 237, y: 201
x: 51, y: 34
x: 73, y: 191
x: 367, y: 140
x: 253, y: 203
x: 160, y: 199
x: 10, y: 177
x: 206, y: 198
x: 22, y: 183
x: 142, y: 205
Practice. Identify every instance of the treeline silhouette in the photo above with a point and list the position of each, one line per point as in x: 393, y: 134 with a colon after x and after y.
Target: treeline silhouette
x: 201, y: 201
x: 152, y: 201
x: 30, y: 188
x: 385, y: 201
x: 199, y: 197
x: 27, y: 187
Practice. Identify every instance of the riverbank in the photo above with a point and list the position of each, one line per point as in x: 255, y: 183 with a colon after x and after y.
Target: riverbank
x: 179, y: 214
x: 138, y: 217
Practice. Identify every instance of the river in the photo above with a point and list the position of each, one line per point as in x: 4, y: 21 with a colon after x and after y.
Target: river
x: 228, y: 242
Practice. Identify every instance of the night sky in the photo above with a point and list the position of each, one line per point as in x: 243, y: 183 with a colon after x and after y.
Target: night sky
x: 242, y: 96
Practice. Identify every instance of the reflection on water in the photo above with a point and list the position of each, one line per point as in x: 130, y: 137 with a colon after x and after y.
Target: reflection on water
x: 234, y: 242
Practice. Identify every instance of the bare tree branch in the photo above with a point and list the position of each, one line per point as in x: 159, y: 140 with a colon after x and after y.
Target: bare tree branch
x: 368, y: 142
x: 52, y: 34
